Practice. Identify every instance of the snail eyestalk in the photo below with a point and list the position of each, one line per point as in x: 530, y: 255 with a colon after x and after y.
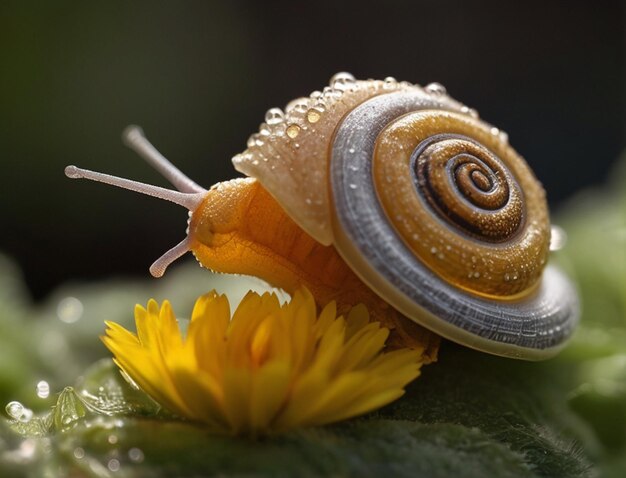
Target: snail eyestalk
x: 134, y: 138
x: 189, y: 194
x: 189, y: 200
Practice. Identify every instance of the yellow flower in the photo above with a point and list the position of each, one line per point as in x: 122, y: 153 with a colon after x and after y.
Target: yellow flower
x: 269, y: 368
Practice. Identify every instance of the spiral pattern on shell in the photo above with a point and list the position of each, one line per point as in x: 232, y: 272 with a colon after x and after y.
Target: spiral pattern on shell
x: 461, y: 199
x: 468, y: 186
x: 440, y: 216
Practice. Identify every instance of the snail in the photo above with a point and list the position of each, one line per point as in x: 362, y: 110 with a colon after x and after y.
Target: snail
x: 390, y: 194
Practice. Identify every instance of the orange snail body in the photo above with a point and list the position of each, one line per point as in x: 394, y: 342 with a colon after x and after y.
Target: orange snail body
x: 240, y: 229
x: 385, y: 193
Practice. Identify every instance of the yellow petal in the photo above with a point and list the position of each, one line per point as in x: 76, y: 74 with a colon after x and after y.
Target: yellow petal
x: 306, y: 390
x: 365, y: 404
x: 203, y: 397
x: 207, y: 333
x: 260, y: 343
x: 269, y: 393
x: 119, y: 334
x: 168, y: 330
x: 362, y: 347
x: 328, y: 315
x: 330, y: 349
x: 141, y: 318
x: 358, y: 317
x: 337, y: 396
x: 237, y: 390
x: 302, y: 340
x: 213, y: 307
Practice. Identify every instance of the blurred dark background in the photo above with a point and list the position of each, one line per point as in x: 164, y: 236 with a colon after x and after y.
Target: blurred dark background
x: 199, y: 76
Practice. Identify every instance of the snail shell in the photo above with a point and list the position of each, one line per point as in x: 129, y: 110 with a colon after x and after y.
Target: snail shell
x: 373, y: 190
x: 429, y: 205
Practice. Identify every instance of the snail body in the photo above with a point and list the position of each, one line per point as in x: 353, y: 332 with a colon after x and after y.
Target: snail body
x: 386, y: 193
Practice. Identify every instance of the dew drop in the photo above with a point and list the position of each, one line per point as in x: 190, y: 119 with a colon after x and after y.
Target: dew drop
x: 503, y: 136
x: 331, y: 93
x: 112, y: 439
x: 274, y: 116
x: 433, y: 250
x: 43, y: 389
x: 390, y: 83
x: 342, y: 81
x: 113, y: 465
x: 17, y: 411
x: 476, y: 275
x: 14, y: 410
x: 473, y: 113
x: 79, y: 453
x: 279, y: 129
x: 558, y: 237
x: 264, y: 129
x: 293, y: 130
x: 313, y: 116
x: 494, y: 131
x: 320, y: 106
x: 352, y: 186
x: 70, y: 310
x: 136, y: 455
x: 27, y: 415
x: 299, y: 105
x: 435, y: 89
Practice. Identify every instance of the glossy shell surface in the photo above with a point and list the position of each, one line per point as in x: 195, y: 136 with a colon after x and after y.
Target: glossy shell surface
x: 429, y: 205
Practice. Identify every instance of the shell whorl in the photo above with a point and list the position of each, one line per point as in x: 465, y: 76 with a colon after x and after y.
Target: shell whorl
x: 483, y: 292
x: 460, y: 197
x: 468, y: 186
